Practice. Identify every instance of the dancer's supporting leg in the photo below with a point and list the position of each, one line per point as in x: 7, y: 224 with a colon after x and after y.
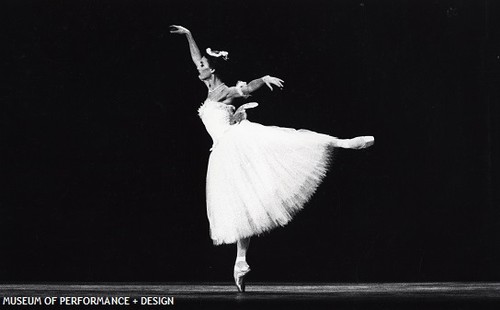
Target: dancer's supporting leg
x: 241, y: 268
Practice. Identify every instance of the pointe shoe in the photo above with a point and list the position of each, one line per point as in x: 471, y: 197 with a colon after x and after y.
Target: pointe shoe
x: 361, y: 142
x: 239, y: 277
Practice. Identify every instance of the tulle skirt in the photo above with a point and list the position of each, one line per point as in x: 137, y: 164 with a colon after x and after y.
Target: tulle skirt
x: 259, y: 176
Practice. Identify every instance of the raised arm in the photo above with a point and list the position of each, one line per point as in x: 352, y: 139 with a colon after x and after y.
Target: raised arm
x: 193, y: 48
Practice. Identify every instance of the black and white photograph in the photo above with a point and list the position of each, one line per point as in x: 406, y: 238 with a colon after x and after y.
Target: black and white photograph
x: 338, y: 154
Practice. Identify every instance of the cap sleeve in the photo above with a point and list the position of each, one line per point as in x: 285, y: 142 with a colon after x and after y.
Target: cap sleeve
x: 239, y: 88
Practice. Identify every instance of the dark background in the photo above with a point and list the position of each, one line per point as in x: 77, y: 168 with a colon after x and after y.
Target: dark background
x: 103, y: 156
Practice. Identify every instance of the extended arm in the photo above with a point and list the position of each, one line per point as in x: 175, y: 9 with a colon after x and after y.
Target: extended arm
x: 246, y: 90
x: 193, y: 48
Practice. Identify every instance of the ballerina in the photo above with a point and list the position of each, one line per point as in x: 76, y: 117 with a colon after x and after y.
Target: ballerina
x: 258, y: 176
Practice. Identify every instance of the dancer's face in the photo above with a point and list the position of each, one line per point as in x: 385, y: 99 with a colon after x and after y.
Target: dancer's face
x: 205, y: 72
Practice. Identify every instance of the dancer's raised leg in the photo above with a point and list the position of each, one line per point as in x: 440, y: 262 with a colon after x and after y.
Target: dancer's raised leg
x: 354, y: 143
x: 241, y: 267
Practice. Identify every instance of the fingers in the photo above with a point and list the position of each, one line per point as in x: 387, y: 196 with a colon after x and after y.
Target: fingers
x: 177, y: 29
x: 269, y: 80
x: 251, y: 105
x: 173, y: 28
x: 238, y: 117
x: 278, y: 82
x: 248, y: 105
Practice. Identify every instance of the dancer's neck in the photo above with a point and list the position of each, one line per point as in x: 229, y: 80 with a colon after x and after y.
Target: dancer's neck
x: 213, y: 84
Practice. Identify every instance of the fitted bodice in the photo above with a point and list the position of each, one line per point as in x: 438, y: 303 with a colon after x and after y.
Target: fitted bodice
x: 216, y: 117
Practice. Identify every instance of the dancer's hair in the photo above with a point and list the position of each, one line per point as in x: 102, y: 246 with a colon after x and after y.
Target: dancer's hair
x: 218, y: 60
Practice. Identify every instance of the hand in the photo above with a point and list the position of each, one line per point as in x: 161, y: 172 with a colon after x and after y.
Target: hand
x: 269, y: 80
x: 249, y: 105
x: 236, y: 118
x: 178, y: 29
x: 241, y: 114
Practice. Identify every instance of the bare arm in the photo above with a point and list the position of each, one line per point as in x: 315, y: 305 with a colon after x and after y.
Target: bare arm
x: 193, y: 48
x: 268, y: 80
x: 246, y: 89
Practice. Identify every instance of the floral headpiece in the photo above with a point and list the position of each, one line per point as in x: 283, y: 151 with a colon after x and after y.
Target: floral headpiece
x: 217, y: 54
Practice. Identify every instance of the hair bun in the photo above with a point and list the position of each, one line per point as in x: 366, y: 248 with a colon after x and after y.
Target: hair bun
x: 223, y: 54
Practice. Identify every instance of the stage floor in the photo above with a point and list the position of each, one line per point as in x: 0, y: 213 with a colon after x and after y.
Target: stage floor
x: 448, y: 295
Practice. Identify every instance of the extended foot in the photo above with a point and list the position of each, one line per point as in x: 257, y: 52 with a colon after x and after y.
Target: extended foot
x: 241, y: 269
x: 358, y: 142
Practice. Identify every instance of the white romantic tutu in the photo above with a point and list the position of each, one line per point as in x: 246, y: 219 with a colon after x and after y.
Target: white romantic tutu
x: 258, y: 176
